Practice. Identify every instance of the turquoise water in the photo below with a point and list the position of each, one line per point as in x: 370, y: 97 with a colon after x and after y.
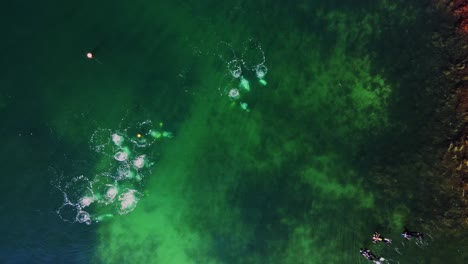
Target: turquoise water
x: 267, y: 132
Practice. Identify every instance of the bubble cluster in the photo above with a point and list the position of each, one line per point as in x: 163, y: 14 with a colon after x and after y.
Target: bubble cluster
x: 234, y: 94
x: 100, y: 140
x: 235, y: 68
x: 128, y: 201
x: 121, y: 156
x: 261, y: 70
x: 109, y: 194
x: 85, y: 201
x: 78, y: 194
x: 117, y: 139
x: 125, y: 158
x: 139, y: 162
x: 250, y: 63
x: 83, y: 217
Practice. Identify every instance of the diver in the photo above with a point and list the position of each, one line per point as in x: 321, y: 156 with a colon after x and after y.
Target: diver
x: 409, y: 234
x: 377, y: 238
x: 370, y: 256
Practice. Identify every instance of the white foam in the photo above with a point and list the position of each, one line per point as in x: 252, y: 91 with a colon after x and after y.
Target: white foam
x: 234, y: 94
x: 261, y: 70
x: 85, y: 201
x: 128, y: 201
x: 77, y: 188
x: 67, y: 212
x: 83, y: 217
x: 117, y: 139
x: 124, y: 172
x: 235, y: 69
x: 111, y: 192
x: 99, y: 141
x: 121, y: 156
x: 139, y: 162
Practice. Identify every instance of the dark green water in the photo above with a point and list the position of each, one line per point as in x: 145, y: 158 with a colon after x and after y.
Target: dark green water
x: 333, y: 144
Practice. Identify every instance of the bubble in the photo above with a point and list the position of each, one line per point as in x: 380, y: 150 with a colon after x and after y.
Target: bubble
x: 83, y: 217
x: 234, y: 94
x: 121, y: 156
x: 85, y: 201
x: 139, y: 162
x: 105, y: 188
x: 77, y: 188
x: 252, y: 54
x: 128, y: 201
x: 123, y: 172
x: 225, y: 51
x: 102, y: 179
x: 261, y: 70
x: 68, y: 212
x: 110, y: 193
x: 117, y: 139
x: 234, y: 68
x: 100, y: 140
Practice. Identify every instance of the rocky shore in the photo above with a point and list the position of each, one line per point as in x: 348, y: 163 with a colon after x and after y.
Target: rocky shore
x: 454, y: 40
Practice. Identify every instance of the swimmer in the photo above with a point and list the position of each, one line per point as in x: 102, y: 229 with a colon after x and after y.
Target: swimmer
x: 370, y: 256
x: 409, y: 234
x: 90, y: 56
x: 377, y: 238
x: 167, y: 134
x: 140, y: 139
x: 245, y: 107
x: 244, y: 84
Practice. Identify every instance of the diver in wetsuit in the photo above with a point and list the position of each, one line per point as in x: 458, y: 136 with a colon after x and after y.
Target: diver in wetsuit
x: 409, y: 234
x: 370, y: 256
x: 377, y: 238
